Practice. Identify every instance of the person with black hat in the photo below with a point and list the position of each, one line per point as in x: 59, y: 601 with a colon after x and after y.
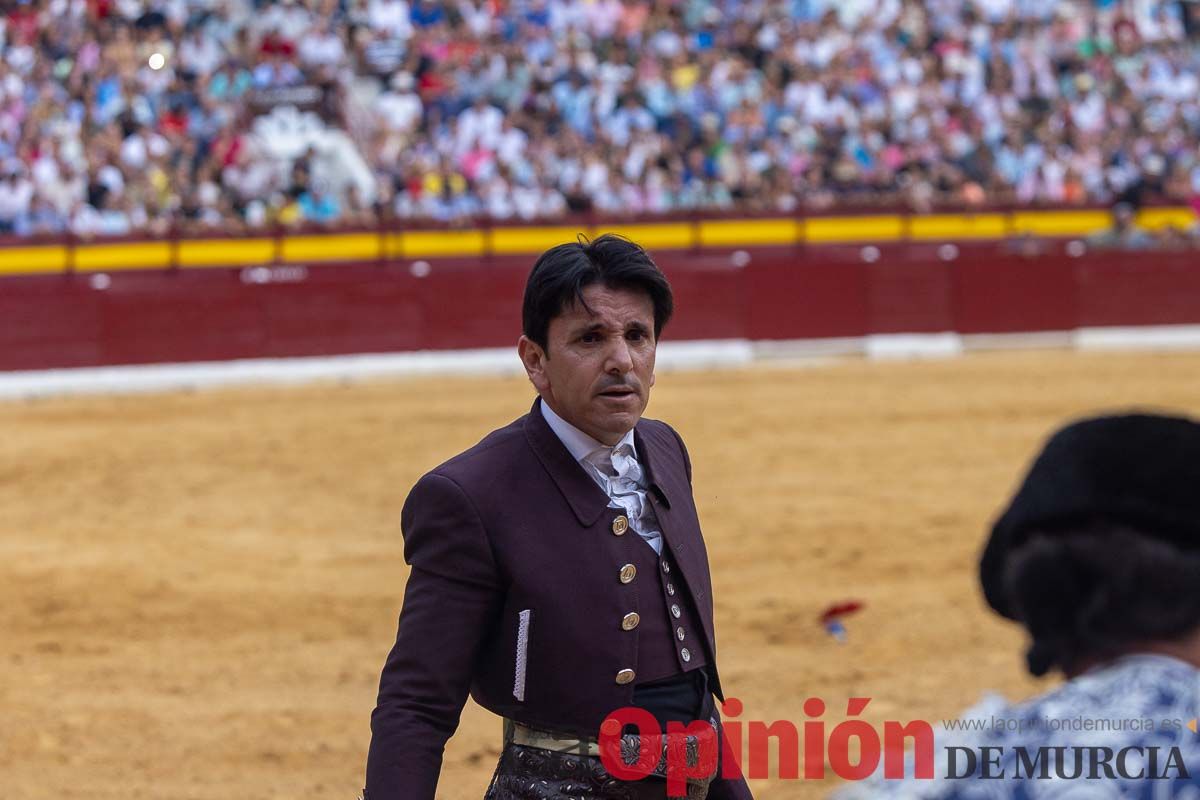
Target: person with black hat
x: 1098, y: 557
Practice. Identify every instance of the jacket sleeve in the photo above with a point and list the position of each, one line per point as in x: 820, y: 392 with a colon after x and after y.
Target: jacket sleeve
x: 450, y: 602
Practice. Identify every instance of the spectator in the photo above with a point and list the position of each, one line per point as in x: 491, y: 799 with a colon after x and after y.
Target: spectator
x: 322, y: 47
x: 1124, y: 234
x: 391, y: 17
x: 620, y: 105
x: 16, y: 197
x: 427, y: 13
x: 1097, y: 557
x: 317, y: 205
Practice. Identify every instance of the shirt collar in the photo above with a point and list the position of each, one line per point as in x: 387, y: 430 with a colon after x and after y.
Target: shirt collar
x: 578, y: 443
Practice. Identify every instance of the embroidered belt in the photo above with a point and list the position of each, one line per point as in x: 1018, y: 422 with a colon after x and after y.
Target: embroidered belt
x: 631, y: 746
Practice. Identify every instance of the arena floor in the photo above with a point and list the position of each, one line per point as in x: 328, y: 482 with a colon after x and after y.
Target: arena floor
x: 197, y: 590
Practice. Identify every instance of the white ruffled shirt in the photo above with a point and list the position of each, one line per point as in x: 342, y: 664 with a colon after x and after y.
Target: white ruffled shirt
x: 627, y: 488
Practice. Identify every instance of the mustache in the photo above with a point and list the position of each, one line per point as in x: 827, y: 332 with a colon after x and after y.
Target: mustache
x: 631, y: 386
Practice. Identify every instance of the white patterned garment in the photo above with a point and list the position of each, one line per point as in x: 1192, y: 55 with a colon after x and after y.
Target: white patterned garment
x: 1137, y: 701
x: 616, y: 470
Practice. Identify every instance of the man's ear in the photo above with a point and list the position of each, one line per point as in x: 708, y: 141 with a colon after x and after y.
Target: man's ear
x: 533, y: 358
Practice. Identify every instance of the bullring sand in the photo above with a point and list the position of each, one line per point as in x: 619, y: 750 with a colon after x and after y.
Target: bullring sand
x: 197, y: 590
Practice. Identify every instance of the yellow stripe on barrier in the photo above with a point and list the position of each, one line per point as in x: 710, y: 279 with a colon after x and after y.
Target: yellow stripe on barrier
x: 828, y: 230
x: 33, y: 260
x: 431, y: 244
x: 958, y: 226
x: 225, y: 252
x: 40, y: 259
x: 130, y: 255
x: 1059, y: 223
x: 663, y: 235
x: 391, y: 246
x: 532, y: 240
x: 748, y: 232
x: 332, y: 247
x: 1158, y: 218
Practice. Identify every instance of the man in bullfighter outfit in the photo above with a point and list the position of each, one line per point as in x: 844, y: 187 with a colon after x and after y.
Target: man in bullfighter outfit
x: 558, y: 569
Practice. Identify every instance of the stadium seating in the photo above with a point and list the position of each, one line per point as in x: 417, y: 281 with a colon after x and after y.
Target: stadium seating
x: 123, y: 117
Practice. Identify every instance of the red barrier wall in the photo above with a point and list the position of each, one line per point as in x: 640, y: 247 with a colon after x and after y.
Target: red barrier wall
x: 805, y: 299
x: 998, y: 293
x: 1140, y: 290
x: 781, y: 293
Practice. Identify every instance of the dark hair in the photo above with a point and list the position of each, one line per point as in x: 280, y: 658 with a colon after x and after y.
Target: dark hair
x: 561, y: 273
x: 1098, y: 591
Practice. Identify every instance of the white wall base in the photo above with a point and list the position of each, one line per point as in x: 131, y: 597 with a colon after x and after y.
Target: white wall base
x: 694, y: 355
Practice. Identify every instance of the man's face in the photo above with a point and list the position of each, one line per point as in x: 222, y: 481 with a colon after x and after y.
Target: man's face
x: 598, y: 367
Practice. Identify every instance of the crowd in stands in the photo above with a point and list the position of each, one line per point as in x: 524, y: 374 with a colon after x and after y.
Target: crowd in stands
x: 124, y: 116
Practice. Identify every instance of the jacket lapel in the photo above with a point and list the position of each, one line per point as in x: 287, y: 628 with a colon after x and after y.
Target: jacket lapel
x: 585, y: 497
x: 666, y: 479
x: 666, y: 473
x: 655, y: 461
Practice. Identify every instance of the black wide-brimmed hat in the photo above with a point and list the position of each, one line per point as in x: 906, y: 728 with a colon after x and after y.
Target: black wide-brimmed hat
x: 1141, y: 470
